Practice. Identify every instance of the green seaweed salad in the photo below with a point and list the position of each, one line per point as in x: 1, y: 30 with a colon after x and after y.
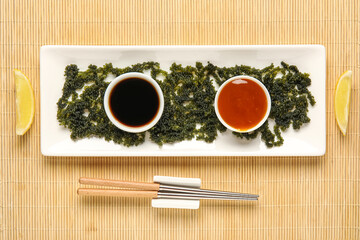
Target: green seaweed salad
x: 189, y: 94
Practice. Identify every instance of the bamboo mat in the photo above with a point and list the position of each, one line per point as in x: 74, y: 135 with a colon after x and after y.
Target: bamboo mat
x: 301, y: 197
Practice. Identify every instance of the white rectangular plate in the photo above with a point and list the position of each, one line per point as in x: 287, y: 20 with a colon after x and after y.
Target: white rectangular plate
x: 310, y: 140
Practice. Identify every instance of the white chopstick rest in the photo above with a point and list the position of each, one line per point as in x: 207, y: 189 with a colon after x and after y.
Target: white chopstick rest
x: 177, y: 203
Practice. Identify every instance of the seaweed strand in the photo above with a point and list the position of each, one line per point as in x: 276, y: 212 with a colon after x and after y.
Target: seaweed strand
x: 189, y: 94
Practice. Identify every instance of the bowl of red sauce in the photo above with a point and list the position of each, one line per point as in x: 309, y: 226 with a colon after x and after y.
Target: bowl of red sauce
x: 242, y: 104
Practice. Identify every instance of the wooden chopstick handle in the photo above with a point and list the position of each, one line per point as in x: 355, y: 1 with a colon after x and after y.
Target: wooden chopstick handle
x: 119, y: 183
x: 116, y: 193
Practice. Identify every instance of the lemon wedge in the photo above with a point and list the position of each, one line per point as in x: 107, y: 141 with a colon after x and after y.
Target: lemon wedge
x: 342, y: 100
x: 25, y: 103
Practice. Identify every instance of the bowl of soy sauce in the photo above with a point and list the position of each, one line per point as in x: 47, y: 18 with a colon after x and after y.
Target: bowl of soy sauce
x: 134, y: 102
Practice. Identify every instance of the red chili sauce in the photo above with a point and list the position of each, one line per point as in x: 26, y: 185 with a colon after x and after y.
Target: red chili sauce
x: 242, y: 104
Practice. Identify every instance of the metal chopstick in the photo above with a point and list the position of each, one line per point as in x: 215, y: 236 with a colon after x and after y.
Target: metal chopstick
x: 181, y: 189
x: 153, y: 194
x: 193, y: 196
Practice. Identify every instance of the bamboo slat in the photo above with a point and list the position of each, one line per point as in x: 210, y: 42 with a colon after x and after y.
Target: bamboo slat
x: 301, y: 197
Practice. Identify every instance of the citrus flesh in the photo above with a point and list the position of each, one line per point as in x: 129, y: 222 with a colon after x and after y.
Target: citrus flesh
x: 25, y: 103
x: 342, y: 100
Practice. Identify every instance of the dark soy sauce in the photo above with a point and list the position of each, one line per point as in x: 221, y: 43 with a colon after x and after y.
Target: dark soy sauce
x: 134, y: 102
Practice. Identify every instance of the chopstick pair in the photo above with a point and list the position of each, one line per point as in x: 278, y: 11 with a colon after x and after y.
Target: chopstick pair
x: 156, y: 190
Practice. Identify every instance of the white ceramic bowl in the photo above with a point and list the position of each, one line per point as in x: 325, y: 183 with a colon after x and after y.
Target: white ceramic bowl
x: 267, y: 98
x: 119, y: 124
